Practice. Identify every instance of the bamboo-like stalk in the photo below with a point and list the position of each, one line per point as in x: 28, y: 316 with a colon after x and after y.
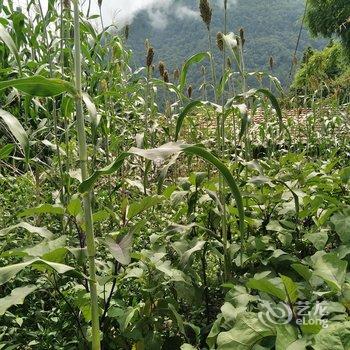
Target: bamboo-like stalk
x: 221, y: 127
x: 91, y: 249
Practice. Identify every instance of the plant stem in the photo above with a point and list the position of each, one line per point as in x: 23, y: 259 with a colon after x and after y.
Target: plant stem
x: 91, y: 250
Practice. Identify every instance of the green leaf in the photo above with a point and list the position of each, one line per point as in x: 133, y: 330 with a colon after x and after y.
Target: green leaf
x: 39, y: 86
x: 244, y: 124
x: 274, y: 103
x: 197, y: 58
x: 10, y: 271
x: 345, y: 174
x: 300, y: 344
x: 121, y: 250
x: 126, y: 317
x: 86, y: 185
x: 187, y: 254
x: 46, y: 247
x: 335, y: 337
x: 6, y: 151
x: 16, y: 297
x: 174, y: 274
x: 318, y: 239
x: 16, y: 130
x: 331, y: 269
x: 74, y: 206
x: 187, y: 347
x: 143, y: 205
x: 215, y: 330
x: 178, y: 318
x: 291, y: 288
x: 43, y: 209
x: 247, y: 332
x: 341, y: 222
x: 7, y: 39
x: 286, y: 335
x: 264, y: 285
x: 41, y: 231
x: 186, y: 110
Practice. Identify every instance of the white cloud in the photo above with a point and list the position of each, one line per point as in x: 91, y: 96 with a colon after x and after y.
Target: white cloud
x: 121, y: 12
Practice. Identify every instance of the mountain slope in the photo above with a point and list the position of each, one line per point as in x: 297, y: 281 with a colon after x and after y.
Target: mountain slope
x: 271, y: 29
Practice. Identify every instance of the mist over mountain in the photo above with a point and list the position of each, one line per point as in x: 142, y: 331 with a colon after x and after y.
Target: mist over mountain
x: 176, y: 32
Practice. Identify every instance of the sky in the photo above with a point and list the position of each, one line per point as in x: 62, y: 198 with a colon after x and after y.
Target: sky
x: 124, y: 11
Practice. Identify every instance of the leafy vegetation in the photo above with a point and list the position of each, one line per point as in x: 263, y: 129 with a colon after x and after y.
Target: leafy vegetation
x: 196, y: 223
x: 324, y: 73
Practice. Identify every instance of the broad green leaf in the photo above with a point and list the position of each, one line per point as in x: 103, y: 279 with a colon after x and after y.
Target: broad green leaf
x: 46, y: 247
x: 74, y: 206
x: 303, y: 271
x: 335, y: 337
x: 266, y: 286
x: 178, y: 318
x: 101, y: 215
x: 126, y: 318
x: 16, y: 130
x: 41, y: 231
x: 286, y: 335
x: 6, y: 151
x: 247, y: 332
x: 300, y: 344
x: 291, y: 288
x: 37, y: 85
x: 121, y: 250
x: 144, y: 204
x: 331, y: 269
x: 174, y: 274
x: 16, y: 297
x: 7, y: 39
x: 341, y: 222
x: 318, y: 239
x: 215, y: 330
x: 43, y: 209
x: 197, y: 58
x: 10, y: 271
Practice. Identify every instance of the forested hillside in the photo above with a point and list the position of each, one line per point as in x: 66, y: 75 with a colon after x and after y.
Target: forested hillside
x: 271, y: 29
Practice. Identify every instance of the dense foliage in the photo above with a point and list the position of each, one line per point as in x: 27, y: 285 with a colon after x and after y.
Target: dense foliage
x: 324, y: 73
x: 328, y: 18
x: 197, y: 224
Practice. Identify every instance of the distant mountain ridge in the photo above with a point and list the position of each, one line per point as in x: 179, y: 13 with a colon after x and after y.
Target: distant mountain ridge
x: 271, y: 29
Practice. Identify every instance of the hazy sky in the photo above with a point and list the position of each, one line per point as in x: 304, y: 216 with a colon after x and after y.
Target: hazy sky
x: 123, y: 11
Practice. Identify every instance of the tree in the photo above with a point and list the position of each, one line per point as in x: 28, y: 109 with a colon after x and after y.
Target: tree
x: 330, y: 17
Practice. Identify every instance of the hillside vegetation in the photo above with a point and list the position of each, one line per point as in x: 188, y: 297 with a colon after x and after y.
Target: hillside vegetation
x: 271, y: 29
